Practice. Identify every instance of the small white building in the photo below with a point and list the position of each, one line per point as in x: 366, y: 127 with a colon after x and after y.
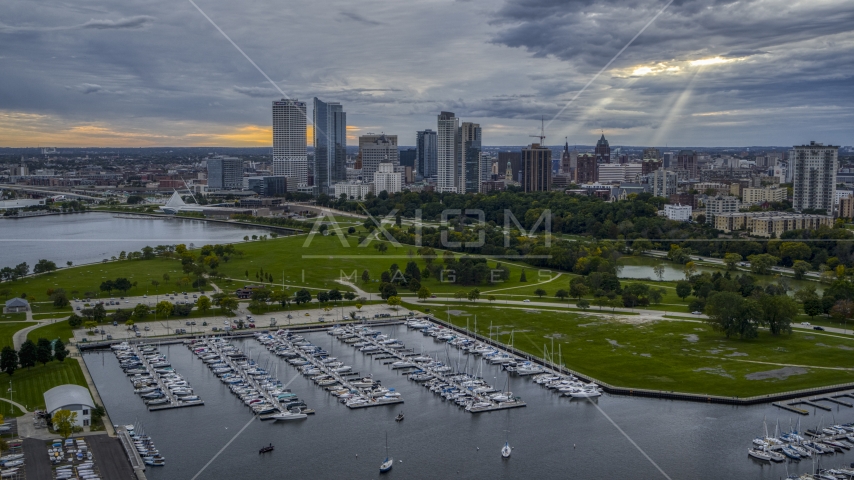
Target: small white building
x: 73, y: 398
x: 387, y: 179
x: 679, y: 213
x: 354, y: 190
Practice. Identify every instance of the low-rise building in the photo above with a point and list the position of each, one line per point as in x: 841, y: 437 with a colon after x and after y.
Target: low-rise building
x: 73, y: 398
x: 679, y: 213
x: 846, y: 207
x: 386, y: 179
x: 719, y: 205
x: 353, y: 190
x: 16, y: 305
x: 756, y: 196
x: 769, y: 224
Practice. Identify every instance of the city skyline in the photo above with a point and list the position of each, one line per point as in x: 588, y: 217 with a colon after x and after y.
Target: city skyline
x: 147, y: 75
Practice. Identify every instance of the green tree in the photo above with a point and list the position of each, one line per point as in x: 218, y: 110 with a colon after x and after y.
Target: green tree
x: 60, y: 299
x: 164, y: 309
x: 523, y: 278
x: 655, y: 295
x: 778, y: 313
x: 228, y: 305
x: 683, y: 289
x: 27, y: 356
x: 733, y: 314
x: 539, y: 292
x: 302, y: 296
x: 761, y: 264
x: 583, y: 304
x: 44, y: 266
x: 366, y: 276
x: 491, y: 298
x: 800, y: 268
x: 813, y: 307
x: 203, y: 304
x: 44, y: 351
x: 282, y: 297
x: 8, y: 360
x: 731, y: 260
x: 474, y: 294
x: 99, y: 313
x: 424, y: 293
x: 562, y: 294
x: 75, y: 321
x: 140, y: 311
x: 387, y: 290
x: 601, y: 302
x: 59, y: 350
x: 63, y: 422
x: 640, y: 246
x: 842, y: 310
x: 393, y: 301
x: 577, y: 287
x: 107, y: 286
x: 381, y: 247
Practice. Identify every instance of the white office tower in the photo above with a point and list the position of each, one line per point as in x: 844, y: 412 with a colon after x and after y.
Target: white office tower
x: 814, y: 175
x: 448, y: 153
x: 664, y: 183
x: 289, y: 131
x: 376, y: 149
x: 387, y: 179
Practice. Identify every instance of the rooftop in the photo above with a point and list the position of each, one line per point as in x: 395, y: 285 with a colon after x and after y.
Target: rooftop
x: 64, y: 395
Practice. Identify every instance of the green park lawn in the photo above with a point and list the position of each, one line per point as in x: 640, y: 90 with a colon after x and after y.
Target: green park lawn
x: 60, y: 329
x: 7, y: 330
x: 88, y: 278
x: 685, y: 356
x: 13, y: 317
x: 29, y: 385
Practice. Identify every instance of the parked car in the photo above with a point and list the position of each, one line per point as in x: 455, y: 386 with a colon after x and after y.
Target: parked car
x: 138, y: 334
x: 115, y: 324
x: 818, y: 328
x: 806, y: 324
x: 146, y: 328
x: 251, y: 325
x: 192, y: 323
x: 527, y: 300
x: 109, y: 337
x: 204, y: 324
x: 696, y: 313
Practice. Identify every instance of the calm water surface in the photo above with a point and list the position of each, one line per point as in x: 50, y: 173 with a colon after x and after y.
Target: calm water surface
x: 552, y: 437
x: 92, y: 237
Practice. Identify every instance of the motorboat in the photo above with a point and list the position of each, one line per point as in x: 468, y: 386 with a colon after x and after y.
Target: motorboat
x: 399, y: 417
x: 283, y: 416
x: 268, y: 448
x: 506, y: 450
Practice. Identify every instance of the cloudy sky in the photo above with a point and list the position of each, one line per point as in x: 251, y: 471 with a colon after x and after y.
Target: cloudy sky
x: 156, y: 72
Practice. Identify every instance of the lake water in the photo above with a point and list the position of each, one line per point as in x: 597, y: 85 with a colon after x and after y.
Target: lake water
x: 553, y: 437
x: 92, y: 237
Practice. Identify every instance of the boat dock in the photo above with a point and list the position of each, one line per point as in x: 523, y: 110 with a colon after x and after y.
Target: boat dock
x: 326, y: 376
x: 133, y: 455
x: 167, y: 398
x: 250, y: 380
x: 397, y: 357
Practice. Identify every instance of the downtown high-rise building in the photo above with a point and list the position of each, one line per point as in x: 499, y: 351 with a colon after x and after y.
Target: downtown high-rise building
x: 330, y: 145
x: 603, y: 151
x: 289, y: 140
x: 376, y: 149
x: 814, y: 176
x: 537, y: 168
x: 470, y: 157
x: 426, y: 153
x: 225, y: 173
x: 448, y: 153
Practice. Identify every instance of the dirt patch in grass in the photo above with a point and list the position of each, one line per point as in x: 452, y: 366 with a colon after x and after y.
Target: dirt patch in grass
x: 692, y: 337
x: 737, y: 354
x: 778, y: 374
x: 715, y: 371
x: 459, y: 313
x: 614, y: 343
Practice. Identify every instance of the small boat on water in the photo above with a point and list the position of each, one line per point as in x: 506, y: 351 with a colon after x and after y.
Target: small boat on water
x: 399, y: 417
x: 289, y: 416
x: 268, y: 448
x: 506, y: 450
x: 759, y: 454
x: 388, y: 462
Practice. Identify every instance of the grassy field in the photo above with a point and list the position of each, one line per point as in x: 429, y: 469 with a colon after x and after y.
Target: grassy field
x: 29, y: 385
x: 9, y: 329
x: 13, y: 317
x: 685, y: 356
x: 51, y: 331
x: 87, y: 278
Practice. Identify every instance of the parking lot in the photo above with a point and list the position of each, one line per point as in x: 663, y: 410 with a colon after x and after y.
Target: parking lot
x: 174, y: 326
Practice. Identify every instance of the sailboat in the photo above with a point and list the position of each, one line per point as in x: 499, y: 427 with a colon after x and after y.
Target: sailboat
x: 505, y: 450
x: 388, y: 462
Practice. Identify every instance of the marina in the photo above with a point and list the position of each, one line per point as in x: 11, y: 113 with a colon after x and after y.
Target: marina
x: 543, y: 437
x: 154, y: 380
x: 329, y: 373
x: 261, y: 392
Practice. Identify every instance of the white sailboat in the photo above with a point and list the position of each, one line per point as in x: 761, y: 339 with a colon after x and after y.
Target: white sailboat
x: 505, y: 450
x: 388, y: 462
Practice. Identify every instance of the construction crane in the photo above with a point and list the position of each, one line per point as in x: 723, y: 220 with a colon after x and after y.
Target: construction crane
x: 542, y: 135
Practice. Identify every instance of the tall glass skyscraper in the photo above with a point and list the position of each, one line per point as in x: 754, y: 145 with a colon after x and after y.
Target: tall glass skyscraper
x: 330, y: 145
x: 448, y: 153
x: 470, y: 135
x: 425, y: 153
